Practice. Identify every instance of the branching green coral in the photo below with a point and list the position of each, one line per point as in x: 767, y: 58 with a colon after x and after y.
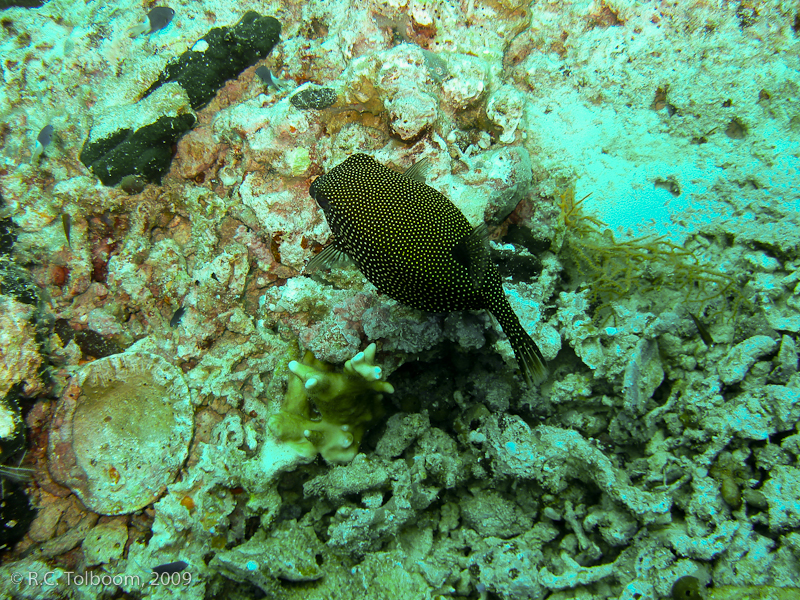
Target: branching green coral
x: 328, y: 412
x: 615, y: 269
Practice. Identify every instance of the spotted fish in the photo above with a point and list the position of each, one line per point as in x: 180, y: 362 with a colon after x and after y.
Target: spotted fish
x: 415, y: 246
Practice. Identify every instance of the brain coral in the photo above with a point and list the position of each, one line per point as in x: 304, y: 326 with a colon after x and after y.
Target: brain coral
x: 121, y: 431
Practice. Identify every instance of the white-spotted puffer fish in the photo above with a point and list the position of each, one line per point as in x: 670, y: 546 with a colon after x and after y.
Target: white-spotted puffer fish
x: 415, y: 246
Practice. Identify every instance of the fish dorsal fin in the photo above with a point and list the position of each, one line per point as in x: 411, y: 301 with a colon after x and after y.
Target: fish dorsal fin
x: 472, y: 252
x: 329, y: 257
x: 418, y: 170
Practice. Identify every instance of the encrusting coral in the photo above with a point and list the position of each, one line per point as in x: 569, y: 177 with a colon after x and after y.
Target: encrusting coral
x: 327, y: 412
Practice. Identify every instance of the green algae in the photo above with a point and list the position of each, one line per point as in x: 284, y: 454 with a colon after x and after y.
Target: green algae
x: 613, y: 269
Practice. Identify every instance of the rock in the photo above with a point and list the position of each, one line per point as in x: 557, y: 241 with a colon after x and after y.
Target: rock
x: 735, y: 365
x: 643, y: 375
x: 20, y: 361
x: 105, y: 542
x: 412, y: 114
x: 490, y: 514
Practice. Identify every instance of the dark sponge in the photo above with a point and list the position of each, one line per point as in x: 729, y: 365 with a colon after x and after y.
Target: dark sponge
x: 230, y: 51
x: 147, y: 151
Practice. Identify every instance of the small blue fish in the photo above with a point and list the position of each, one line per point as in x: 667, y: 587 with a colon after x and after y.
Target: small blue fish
x: 176, y: 318
x: 157, y: 19
x: 42, y: 141
x: 702, y: 331
x: 45, y: 135
x: 170, y: 568
x: 269, y: 80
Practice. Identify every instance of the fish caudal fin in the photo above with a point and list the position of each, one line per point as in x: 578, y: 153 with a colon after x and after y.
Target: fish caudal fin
x: 525, y: 349
x: 530, y: 360
x: 139, y: 29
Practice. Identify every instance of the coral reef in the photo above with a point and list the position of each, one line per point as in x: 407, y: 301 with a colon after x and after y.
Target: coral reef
x: 661, y: 457
x: 649, y: 266
x: 221, y: 54
x: 137, y: 140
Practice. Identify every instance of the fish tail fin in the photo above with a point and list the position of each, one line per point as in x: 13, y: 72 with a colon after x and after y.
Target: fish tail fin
x: 529, y: 357
x: 139, y: 29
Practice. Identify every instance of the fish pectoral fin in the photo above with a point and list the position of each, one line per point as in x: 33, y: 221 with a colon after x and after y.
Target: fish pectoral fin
x: 472, y: 253
x: 418, y: 170
x: 329, y: 257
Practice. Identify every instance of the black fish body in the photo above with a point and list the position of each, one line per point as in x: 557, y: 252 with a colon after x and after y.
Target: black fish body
x: 416, y: 246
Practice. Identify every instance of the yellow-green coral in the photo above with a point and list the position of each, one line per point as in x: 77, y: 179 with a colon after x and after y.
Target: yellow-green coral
x: 327, y: 412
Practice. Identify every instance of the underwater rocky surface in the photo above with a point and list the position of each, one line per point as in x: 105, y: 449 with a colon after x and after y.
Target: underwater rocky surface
x: 179, y: 395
